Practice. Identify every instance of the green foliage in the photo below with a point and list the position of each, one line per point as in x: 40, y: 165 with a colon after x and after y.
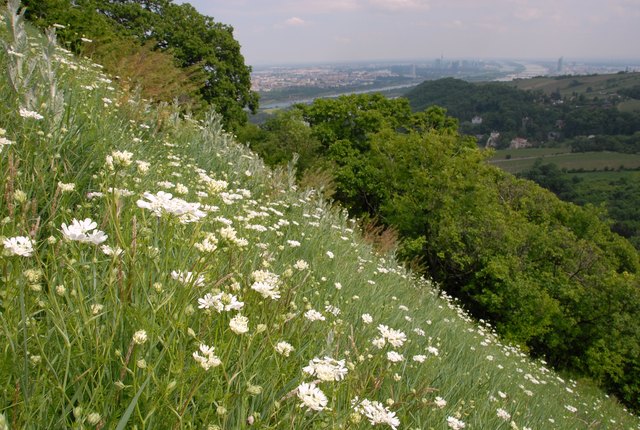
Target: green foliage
x: 151, y: 72
x: 194, y: 40
x: 623, y: 144
x: 547, y: 274
x: 515, y: 112
x: 632, y: 92
x: 111, y: 331
x: 552, y: 178
x: 280, y: 137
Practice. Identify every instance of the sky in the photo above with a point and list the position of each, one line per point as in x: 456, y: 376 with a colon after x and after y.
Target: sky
x: 316, y: 31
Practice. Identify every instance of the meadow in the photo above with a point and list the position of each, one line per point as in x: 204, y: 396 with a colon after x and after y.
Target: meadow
x: 590, y: 85
x: 520, y: 160
x: 155, y: 274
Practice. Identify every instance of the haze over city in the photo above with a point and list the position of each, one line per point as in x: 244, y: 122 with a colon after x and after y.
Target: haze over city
x: 288, y: 31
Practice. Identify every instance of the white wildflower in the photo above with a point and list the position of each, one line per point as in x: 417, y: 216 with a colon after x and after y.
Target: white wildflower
x: 222, y: 302
x: 140, y: 337
x: 66, y: 187
x: 501, y: 413
x: 266, y: 283
x: 83, y: 231
x: 107, y: 250
x: 18, y: 245
x: 455, y: 424
x: 187, y: 278
x: 375, y: 412
x: 312, y: 397
x: 4, y: 142
x: 209, y: 244
x: 239, y: 324
x: 314, y: 315
x: 119, y: 159
x: 301, y: 265
x: 207, y: 359
x: 440, y: 402
x: 394, y: 357
x: 379, y: 342
x: 284, y: 348
x: 326, y: 369
x: 29, y: 114
x: 433, y: 350
x: 394, y: 337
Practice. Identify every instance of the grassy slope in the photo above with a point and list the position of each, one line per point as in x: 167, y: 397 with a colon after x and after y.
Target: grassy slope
x: 523, y: 159
x: 69, y: 359
x: 600, y: 84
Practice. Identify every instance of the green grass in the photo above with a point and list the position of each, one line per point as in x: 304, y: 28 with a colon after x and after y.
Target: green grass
x: 590, y: 86
x: 520, y: 160
x: 107, y: 340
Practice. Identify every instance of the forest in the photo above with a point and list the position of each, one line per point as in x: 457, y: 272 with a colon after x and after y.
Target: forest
x: 550, y: 275
x: 545, y: 119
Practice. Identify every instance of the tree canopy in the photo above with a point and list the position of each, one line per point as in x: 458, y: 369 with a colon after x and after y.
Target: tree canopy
x: 193, y: 39
x: 549, y: 275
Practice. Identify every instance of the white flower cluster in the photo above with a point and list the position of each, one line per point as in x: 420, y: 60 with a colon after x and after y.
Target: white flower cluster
x: 140, y: 337
x: 18, y: 245
x: 222, y: 302
x: 455, y: 424
x: 266, y: 283
x: 229, y: 234
x: 215, y: 186
x: 314, y: 315
x: 312, y: 397
x: 65, y: 188
x: 208, y: 359
x: 239, y: 324
x: 3, y: 140
x: 284, y: 348
x: 375, y: 412
x: 395, y: 337
x: 187, y: 278
x: 29, y: 114
x: 163, y: 202
x: 119, y: 159
x: 326, y: 369
x: 209, y: 244
x: 83, y: 231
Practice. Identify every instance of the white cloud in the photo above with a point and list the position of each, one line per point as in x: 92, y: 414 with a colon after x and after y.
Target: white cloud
x: 528, y: 14
x: 322, y: 6
x: 294, y: 21
x: 397, y: 5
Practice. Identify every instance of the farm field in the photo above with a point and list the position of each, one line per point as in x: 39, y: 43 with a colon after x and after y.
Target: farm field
x: 519, y: 160
x: 590, y: 86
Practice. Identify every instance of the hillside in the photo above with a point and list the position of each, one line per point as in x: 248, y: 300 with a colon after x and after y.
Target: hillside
x: 590, y: 86
x: 528, y: 110
x: 155, y: 274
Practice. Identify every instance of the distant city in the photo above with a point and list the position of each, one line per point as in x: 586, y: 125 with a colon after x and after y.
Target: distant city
x: 285, y: 84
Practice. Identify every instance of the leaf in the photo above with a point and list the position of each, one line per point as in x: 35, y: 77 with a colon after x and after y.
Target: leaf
x: 127, y: 414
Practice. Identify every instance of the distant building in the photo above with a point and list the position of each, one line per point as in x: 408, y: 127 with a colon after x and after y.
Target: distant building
x: 519, y: 143
x: 560, y: 60
x: 492, y: 141
x: 476, y: 120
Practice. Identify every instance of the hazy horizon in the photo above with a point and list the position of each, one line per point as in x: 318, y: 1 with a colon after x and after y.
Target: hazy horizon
x: 336, y: 31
